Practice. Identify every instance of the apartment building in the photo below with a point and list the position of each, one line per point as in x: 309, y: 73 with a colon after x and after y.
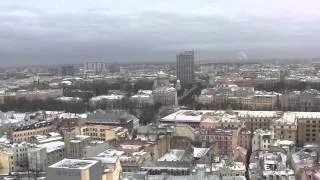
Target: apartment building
x: 165, y: 95
x: 27, y: 132
x: 258, y: 119
x: 263, y: 101
x: 261, y: 140
x: 55, y: 151
x: 244, y: 138
x: 224, y: 140
x: 7, y: 161
x: 95, y: 67
x: 104, y: 133
x: 285, y: 127
x: 308, y: 130
x: 75, y: 146
x: 299, y: 127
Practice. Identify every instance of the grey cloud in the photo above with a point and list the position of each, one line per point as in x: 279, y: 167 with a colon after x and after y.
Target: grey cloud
x: 31, y: 35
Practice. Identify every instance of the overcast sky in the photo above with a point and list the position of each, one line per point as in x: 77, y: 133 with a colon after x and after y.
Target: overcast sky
x: 75, y: 31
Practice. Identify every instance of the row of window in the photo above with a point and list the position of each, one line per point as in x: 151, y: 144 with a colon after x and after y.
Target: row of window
x: 18, y: 134
x: 92, y: 129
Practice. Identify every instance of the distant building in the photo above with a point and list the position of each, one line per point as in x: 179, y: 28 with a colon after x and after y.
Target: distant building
x: 161, y: 80
x: 111, y: 101
x: 143, y: 98
x: 113, y: 118
x: 95, y: 67
x: 67, y: 70
x: 167, y: 96
x: 75, y: 169
x: 185, y: 67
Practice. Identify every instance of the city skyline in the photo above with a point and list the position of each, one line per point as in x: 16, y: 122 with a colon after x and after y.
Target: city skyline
x: 58, y: 32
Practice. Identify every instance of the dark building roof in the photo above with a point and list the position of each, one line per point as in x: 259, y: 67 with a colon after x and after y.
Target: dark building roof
x: 109, y: 117
x: 33, y: 126
x: 153, y: 129
x: 67, y: 123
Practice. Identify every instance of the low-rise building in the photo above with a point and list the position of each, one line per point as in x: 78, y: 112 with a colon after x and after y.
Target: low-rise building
x: 170, y: 168
x: 270, y: 165
x: 303, y: 158
x: 233, y: 169
x: 75, y: 169
x: 311, y: 172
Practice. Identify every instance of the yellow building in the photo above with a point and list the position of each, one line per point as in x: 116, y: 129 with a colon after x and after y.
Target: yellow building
x: 7, y: 162
x: 111, y: 167
x: 104, y: 133
x: 263, y: 101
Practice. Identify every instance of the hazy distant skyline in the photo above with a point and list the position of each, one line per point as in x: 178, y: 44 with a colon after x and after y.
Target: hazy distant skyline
x: 75, y: 31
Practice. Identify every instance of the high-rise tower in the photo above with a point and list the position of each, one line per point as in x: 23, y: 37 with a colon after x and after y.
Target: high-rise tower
x: 185, y: 67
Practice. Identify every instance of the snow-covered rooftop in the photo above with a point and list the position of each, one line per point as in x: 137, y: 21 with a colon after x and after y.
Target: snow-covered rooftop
x: 52, y: 146
x: 172, y: 155
x: 74, y: 164
x: 107, y: 97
